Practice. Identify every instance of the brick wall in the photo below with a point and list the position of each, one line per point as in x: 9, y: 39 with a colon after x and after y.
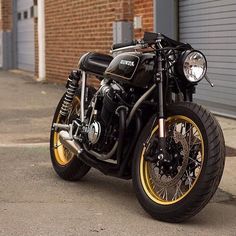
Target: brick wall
x: 6, y: 15
x: 0, y: 15
x: 75, y: 27
x: 145, y: 10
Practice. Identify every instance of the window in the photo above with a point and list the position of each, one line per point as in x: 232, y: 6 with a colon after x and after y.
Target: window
x: 32, y: 12
x: 25, y: 14
x: 19, y: 15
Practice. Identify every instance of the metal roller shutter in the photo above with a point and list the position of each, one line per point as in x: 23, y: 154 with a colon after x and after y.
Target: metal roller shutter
x: 25, y: 35
x: 210, y: 26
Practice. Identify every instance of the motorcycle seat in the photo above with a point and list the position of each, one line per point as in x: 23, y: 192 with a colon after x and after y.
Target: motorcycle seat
x: 95, y: 63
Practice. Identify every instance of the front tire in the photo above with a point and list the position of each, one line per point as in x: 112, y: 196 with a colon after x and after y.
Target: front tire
x: 178, y: 191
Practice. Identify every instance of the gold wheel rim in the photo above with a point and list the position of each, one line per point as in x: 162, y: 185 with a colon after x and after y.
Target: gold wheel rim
x: 63, y: 155
x: 160, y: 196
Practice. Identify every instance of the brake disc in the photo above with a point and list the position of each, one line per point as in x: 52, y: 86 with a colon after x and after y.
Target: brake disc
x: 164, y: 181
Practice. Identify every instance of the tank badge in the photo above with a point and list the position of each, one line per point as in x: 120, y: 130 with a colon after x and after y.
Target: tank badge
x: 128, y: 63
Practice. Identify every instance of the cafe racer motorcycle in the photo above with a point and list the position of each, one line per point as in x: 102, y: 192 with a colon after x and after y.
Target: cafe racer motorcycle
x: 142, y: 123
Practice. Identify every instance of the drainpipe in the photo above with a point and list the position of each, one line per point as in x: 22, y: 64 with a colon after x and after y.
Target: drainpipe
x: 155, y: 16
x: 41, y: 40
x: 165, y: 16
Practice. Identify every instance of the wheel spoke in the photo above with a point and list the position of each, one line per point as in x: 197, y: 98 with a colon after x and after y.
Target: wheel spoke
x: 194, y: 143
x: 165, y: 196
x: 197, y: 163
x: 160, y: 191
x: 189, y: 179
x: 178, y: 192
x: 188, y: 131
x: 152, y: 183
x: 163, y: 193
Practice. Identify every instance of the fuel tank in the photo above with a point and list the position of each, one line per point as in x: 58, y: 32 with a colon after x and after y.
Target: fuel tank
x: 133, y: 68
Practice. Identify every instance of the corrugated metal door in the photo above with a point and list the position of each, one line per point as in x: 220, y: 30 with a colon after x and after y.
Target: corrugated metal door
x: 210, y: 26
x: 25, y: 35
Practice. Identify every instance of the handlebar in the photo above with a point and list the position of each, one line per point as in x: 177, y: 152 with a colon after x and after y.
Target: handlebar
x: 122, y: 45
x: 149, y: 39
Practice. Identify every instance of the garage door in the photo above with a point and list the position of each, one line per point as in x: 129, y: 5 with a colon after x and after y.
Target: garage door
x: 25, y: 35
x: 210, y: 26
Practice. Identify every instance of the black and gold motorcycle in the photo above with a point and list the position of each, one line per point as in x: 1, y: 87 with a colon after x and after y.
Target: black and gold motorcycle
x: 142, y: 123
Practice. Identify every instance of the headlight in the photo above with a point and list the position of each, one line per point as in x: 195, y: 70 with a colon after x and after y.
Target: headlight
x: 193, y: 65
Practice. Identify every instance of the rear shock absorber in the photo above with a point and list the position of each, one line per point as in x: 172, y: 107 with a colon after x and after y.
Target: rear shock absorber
x: 72, y: 85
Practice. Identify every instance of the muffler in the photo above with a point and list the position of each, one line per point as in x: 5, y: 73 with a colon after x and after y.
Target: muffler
x: 69, y: 143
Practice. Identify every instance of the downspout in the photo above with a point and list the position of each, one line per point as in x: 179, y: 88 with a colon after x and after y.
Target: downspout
x: 155, y: 16
x: 165, y: 17
x: 41, y: 40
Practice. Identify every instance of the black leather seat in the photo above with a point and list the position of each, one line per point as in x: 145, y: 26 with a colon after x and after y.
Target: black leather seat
x: 94, y: 62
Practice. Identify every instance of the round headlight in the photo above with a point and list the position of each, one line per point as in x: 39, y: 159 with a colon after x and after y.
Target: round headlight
x: 194, y: 66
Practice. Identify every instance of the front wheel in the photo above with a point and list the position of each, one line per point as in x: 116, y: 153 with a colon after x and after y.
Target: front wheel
x: 176, y: 190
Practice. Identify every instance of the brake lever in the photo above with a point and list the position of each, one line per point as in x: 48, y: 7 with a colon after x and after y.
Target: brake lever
x: 209, y: 81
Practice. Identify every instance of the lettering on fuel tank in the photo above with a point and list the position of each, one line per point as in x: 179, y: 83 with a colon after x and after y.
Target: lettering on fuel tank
x: 128, y: 63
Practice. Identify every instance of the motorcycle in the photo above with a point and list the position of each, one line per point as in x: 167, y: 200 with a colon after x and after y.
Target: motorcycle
x: 142, y: 124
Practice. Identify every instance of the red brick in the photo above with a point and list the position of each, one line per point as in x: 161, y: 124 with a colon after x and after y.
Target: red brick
x: 75, y: 27
x: 6, y: 13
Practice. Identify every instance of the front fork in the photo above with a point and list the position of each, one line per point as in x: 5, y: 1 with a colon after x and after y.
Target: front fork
x: 160, y: 143
x: 159, y: 81
x: 162, y: 154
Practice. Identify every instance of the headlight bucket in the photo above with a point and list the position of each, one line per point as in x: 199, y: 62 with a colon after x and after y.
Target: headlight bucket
x: 192, y: 65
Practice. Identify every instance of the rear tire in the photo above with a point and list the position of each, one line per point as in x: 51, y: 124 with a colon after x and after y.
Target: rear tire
x: 181, y: 208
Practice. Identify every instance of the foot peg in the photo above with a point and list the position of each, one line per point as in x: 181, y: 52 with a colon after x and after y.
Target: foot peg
x: 61, y: 126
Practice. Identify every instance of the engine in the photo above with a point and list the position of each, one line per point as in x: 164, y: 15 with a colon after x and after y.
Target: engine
x: 114, y: 97
x: 104, y: 125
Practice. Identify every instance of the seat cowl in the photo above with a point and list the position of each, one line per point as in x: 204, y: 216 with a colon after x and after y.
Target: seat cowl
x: 95, y: 62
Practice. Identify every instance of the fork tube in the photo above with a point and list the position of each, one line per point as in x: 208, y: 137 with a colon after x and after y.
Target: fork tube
x: 159, y: 77
x: 82, y: 96
x: 161, y: 127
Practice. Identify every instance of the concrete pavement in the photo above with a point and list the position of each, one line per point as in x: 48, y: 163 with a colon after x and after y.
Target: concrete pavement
x: 26, y: 109
x: 34, y: 201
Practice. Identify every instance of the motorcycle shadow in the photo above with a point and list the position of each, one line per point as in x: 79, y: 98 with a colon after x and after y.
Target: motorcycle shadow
x: 120, y: 194
x: 109, y: 189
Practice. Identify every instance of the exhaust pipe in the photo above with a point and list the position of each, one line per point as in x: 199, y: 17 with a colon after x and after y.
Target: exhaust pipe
x: 69, y: 143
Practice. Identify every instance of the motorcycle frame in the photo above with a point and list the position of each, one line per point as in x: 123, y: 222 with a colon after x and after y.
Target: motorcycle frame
x: 124, y: 156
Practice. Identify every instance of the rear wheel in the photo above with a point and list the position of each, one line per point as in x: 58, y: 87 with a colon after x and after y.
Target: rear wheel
x: 179, y: 189
x: 64, y: 162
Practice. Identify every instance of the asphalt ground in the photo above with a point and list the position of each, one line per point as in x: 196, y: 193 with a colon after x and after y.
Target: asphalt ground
x: 35, y: 201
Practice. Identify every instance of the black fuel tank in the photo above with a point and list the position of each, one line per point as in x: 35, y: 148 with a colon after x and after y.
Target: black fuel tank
x: 134, y: 68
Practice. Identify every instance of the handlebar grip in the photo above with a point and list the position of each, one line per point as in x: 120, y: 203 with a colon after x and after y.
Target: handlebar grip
x: 121, y: 45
